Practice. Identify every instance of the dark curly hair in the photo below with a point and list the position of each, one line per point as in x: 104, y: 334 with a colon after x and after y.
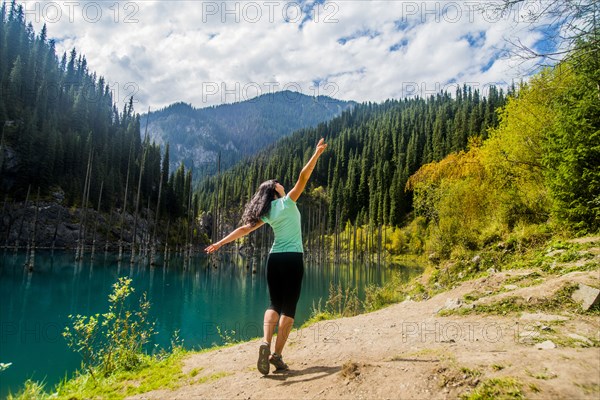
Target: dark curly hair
x: 260, y: 204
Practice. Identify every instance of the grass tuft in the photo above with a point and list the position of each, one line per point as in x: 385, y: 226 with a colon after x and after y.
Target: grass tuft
x: 496, y: 389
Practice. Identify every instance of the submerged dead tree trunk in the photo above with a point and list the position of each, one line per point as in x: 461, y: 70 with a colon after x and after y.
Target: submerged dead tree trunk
x: 153, y: 240
x: 146, y: 235
x: 215, y: 230
x: 58, y: 221
x: 31, y: 262
x: 188, y: 241
x: 82, y: 219
x: 354, y: 242
x: 97, y: 219
x: 107, y: 236
x: 165, y: 259
x: 379, y: 247
x: 120, y: 257
x: 10, y: 223
x: 22, y: 219
x: 139, y: 188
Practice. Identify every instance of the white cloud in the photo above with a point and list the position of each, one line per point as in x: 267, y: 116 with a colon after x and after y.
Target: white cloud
x: 168, y: 51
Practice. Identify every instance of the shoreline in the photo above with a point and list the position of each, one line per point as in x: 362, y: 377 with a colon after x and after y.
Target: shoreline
x: 461, y: 340
x: 407, y: 350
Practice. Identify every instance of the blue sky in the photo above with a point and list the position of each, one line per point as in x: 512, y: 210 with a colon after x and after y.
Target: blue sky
x: 213, y: 52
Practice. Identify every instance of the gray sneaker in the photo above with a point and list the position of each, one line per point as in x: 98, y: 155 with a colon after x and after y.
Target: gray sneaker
x: 278, y: 363
x: 264, y: 351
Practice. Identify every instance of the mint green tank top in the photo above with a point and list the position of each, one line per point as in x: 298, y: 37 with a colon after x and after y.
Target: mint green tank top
x: 284, y: 218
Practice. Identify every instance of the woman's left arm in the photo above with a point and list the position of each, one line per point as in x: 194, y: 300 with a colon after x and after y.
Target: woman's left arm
x: 236, y: 234
x: 307, y: 171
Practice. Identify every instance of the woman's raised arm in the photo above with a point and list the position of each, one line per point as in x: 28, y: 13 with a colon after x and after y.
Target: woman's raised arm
x: 307, y: 171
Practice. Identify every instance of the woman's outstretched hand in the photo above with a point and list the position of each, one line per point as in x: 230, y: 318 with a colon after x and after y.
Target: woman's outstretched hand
x: 212, y: 248
x: 321, y: 146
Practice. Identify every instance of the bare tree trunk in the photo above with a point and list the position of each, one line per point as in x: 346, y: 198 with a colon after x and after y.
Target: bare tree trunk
x: 360, y: 243
x: 379, y: 246
x: 146, y: 241
x: 22, y: 219
x: 215, y: 232
x: 58, y: 221
x: 97, y: 219
x: 85, y: 208
x: 165, y: 260
x: 106, y: 237
x: 190, y: 220
x: 120, y: 257
x: 31, y: 261
x: 354, y: 244
x: 321, y: 239
x: 154, y: 243
x: 139, y: 188
x: 10, y: 222
x: 384, y: 242
x: 81, y: 233
x: 369, y: 242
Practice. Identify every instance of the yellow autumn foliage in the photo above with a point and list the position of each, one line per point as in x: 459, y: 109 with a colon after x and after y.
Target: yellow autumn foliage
x: 473, y: 197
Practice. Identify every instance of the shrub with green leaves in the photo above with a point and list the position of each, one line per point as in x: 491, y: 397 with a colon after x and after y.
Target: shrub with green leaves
x: 115, y: 340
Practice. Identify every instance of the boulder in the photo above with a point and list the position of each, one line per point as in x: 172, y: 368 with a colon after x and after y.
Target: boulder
x: 546, y: 345
x: 587, y: 296
x: 580, y: 338
x: 451, y: 304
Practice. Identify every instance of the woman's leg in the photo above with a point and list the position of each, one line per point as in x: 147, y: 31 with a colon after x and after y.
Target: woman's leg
x: 276, y: 295
x: 264, y: 351
x: 285, y: 326
x: 292, y: 286
x: 270, y: 322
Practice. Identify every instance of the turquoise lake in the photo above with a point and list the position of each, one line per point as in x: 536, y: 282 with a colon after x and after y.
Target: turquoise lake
x: 193, y: 300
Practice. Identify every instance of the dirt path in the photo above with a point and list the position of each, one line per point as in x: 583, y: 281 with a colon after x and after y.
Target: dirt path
x: 408, y: 351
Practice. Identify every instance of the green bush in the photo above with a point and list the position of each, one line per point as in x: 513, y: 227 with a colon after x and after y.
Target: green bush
x: 113, y: 341
x: 378, y: 297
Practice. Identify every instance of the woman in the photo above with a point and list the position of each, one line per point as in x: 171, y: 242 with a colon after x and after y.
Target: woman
x: 285, y: 266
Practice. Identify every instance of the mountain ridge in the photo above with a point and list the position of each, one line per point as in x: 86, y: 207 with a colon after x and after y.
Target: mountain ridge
x: 197, y: 135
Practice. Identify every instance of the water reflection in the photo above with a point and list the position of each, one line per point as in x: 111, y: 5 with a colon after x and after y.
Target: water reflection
x: 193, y: 298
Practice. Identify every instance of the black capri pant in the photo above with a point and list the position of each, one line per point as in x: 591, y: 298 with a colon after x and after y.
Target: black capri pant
x: 284, y: 278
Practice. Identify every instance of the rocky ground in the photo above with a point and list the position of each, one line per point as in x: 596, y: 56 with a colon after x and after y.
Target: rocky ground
x: 412, y: 351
